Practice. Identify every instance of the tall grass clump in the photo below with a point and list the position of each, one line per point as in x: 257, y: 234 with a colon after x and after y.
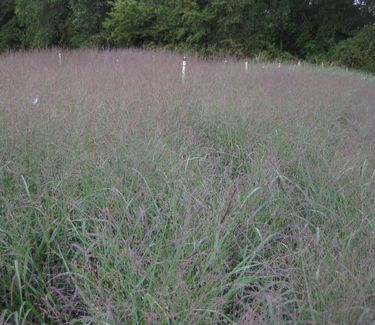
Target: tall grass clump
x: 127, y: 197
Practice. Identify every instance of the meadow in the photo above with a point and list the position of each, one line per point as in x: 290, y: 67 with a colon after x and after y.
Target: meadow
x: 129, y: 197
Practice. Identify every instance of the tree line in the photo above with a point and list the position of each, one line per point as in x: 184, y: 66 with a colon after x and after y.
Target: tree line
x: 341, y: 31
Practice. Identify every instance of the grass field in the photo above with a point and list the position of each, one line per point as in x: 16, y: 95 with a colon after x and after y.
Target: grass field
x: 127, y: 197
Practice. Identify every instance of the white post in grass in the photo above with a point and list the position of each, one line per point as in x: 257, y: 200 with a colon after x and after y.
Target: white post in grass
x: 322, y: 64
x: 279, y: 65
x: 60, y: 58
x: 299, y: 63
x: 183, y: 70
x: 246, y: 65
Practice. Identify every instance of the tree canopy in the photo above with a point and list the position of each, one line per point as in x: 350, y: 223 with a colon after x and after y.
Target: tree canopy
x: 306, y: 29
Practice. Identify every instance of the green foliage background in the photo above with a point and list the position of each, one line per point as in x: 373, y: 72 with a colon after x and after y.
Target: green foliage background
x: 313, y: 30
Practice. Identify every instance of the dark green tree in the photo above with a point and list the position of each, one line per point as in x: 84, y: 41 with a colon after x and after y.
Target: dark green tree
x: 307, y: 29
x: 130, y: 23
x: 358, y: 51
x: 9, y: 28
x: 87, y: 17
x: 43, y: 22
x: 314, y: 26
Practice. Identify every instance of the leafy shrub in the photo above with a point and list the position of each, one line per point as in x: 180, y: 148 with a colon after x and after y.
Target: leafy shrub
x: 358, y: 51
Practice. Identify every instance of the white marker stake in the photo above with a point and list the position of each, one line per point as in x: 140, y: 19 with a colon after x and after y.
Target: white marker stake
x: 246, y: 66
x: 322, y: 64
x: 279, y: 65
x: 183, y: 70
x: 299, y: 63
x: 60, y: 58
